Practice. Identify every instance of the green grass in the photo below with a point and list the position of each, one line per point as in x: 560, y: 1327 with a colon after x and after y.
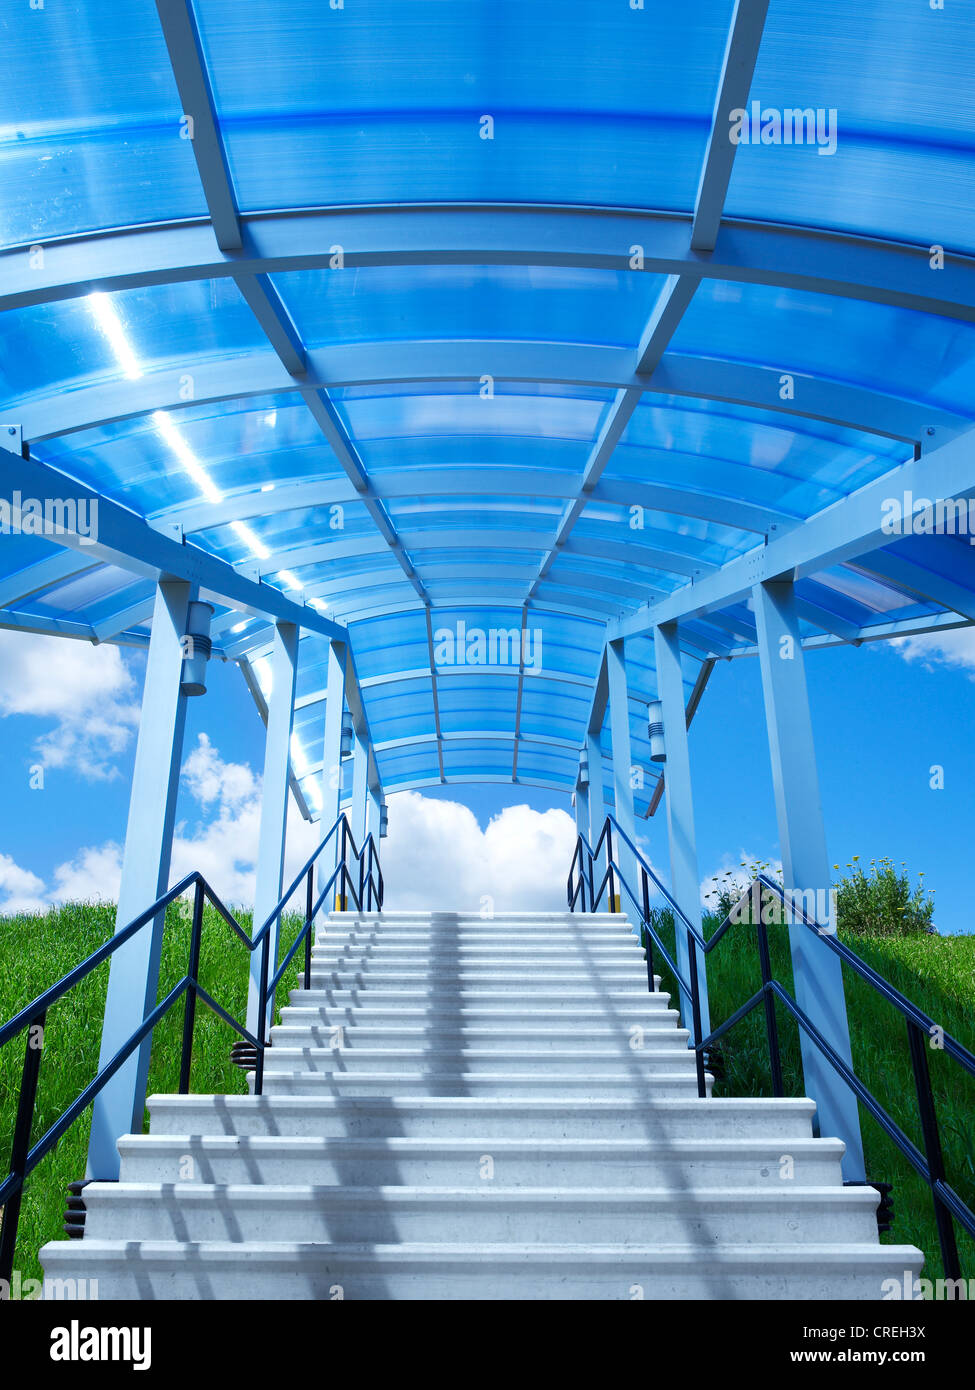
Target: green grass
x: 35, y: 952
x: 938, y: 974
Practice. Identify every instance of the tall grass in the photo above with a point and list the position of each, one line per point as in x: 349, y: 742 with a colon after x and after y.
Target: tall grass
x: 938, y: 974
x: 35, y: 952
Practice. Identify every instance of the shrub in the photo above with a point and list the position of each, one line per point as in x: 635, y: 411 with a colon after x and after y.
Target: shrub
x: 882, y: 902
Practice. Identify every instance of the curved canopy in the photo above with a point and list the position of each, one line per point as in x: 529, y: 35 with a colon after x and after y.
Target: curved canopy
x: 458, y: 319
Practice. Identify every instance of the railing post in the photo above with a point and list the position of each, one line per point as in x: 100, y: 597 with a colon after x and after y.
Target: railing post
x: 309, y: 910
x: 592, y: 887
x: 21, y: 1144
x: 771, y: 1023
x: 932, y: 1149
x: 702, y: 1085
x: 193, y: 970
x: 262, y: 1016
x: 647, y: 938
x: 611, y: 880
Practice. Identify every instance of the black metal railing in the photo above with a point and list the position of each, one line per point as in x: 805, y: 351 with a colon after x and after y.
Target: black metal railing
x: 360, y: 881
x: 584, y: 889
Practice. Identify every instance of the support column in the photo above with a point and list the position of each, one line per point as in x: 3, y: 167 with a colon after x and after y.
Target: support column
x: 133, y: 980
x: 274, y: 804
x: 582, y: 811
x: 805, y: 864
x: 684, y: 879
x: 372, y: 816
x: 619, y: 724
x: 597, y: 805
x: 332, y: 767
x: 360, y: 790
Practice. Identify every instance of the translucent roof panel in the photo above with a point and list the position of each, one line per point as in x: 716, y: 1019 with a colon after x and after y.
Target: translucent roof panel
x: 894, y: 146
x: 93, y: 138
x: 464, y: 388
x: 382, y: 102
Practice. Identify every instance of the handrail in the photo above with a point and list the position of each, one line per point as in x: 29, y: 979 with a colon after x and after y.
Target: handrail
x: 368, y: 889
x: 949, y: 1207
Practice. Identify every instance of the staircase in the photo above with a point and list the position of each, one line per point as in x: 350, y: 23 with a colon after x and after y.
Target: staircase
x: 456, y: 1108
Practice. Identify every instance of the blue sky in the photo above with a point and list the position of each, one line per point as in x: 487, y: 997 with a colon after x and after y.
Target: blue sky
x: 882, y: 715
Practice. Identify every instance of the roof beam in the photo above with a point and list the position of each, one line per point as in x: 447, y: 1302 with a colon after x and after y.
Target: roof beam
x: 189, y: 68
x: 737, y: 70
x: 122, y: 538
x: 262, y: 373
x: 803, y: 258
x: 848, y: 530
x: 46, y: 574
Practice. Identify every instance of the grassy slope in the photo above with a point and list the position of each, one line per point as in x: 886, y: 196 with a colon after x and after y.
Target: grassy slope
x: 34, y: 953
x: 938, y: 973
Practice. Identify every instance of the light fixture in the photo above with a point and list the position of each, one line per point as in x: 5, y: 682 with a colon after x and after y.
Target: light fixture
x: 348, y: 735
x: 583, y: 779
x: 655, y: 727
x: 383, y: 821
x: 196, y: 649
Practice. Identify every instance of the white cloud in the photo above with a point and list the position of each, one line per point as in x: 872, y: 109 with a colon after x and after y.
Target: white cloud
x: 86, y: 690
x: 20, y: 890
x: 93, y: 875
x: 437, y: 856
x: 955, y: 647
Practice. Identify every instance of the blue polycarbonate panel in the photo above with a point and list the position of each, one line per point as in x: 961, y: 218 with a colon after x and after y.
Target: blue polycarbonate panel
x: 888, y: 349
x: 91, y: 135
x: 466, y: 414
x: 894, y: 85
x: 124, y: 336
x: 382, y: 102
x: 550, y: 304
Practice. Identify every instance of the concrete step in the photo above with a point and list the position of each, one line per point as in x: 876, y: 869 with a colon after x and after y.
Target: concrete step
x: 454, y: 952
x: 489, y: 935
x: 466, y: 1061
x: 539, y: 920
x: 445, y: 1272
x: 617, y: 1163
x: 452, y: 1036
x: 578, y: 1085
x: 320, y: 1115
x: 447, y: 984
x: 472, y: 1001
x: 558, y: 1216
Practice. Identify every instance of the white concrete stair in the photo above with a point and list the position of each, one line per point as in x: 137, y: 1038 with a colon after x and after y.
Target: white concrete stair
x: 467, y: 1108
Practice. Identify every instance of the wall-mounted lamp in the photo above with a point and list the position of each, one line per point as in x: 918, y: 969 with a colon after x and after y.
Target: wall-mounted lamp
x: 196, y: 649
x: 583, y: 770
x: 383, y: 822
x: 655, y: 718
x: 348, y: 735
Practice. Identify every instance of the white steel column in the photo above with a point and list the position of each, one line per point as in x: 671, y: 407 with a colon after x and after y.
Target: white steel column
x: 360, y: 790
x: 684, y: 880
x: 817, y: 972
x: 619, y: 725
x: 332, y: 767
x: 274, y: 804
x: 134, y: 972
